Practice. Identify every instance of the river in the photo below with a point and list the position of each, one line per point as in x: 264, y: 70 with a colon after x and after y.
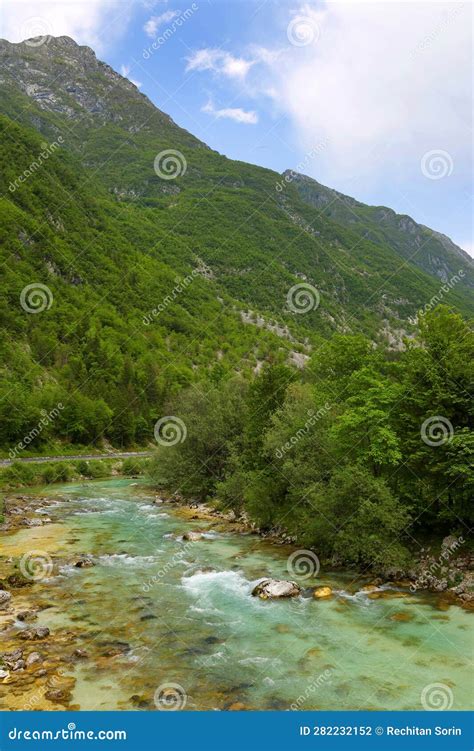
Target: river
x: 156, y: 611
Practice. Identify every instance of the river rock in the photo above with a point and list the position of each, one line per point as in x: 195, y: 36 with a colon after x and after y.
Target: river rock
x: 35, y: 633
x: 192, y: 536
x: 276, y: 588
x: 58, y: 696
x: 237, y: 706
x: 18, y: 580
x: 84, y: 562
x: 13, y: 660
x: 34, y: 658
x: 26, y: 615
x: 3, y: 674
x: 5, y: 598
x: 322, y: 592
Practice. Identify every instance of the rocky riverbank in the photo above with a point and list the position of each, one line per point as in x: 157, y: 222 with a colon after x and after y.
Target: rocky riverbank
x: 37, y: 662
x: 447, y: 569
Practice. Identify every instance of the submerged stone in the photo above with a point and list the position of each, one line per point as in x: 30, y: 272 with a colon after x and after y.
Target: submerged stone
x: 322, y: 592
x: 35, y: 633
x: 192, y: 536
x: 402, y: 616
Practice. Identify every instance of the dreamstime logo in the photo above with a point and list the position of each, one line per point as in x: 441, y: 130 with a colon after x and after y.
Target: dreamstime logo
x: 178, y: 21
x: 35, y: 31
x: 170, y: 697
x: 302, y: 298
x: 36, y: 297
x: 302, y: 166
x: 46, y: 419
x: 436, y: 430
x: 437, y: 697
x: 313, y: 417
x: 302, y: 30
x: 181, y: 285
x: 46, y: 150
x: 437, y: 164
x: 427, y: 41
x: 54, y: 681
x: 436, y: 566
x: 170, y: 164
x: 36, y: 565
x: 315, y: 684
x: 303, y: 564
x: 175, y: 561
x: 170, y: 430
x: 439, y: 297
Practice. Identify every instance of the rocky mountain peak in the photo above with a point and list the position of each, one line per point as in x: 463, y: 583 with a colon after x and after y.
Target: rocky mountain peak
x: 65, y: 77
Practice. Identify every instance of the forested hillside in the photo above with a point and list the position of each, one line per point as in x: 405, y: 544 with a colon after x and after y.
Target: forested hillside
x: 123, y: 286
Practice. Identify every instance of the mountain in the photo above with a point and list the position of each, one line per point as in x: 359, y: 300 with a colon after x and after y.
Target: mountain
x: 150, y: 282
x: 429, y: 250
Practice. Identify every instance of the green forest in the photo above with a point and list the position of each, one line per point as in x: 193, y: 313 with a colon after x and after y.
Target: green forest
x: 356, y: 460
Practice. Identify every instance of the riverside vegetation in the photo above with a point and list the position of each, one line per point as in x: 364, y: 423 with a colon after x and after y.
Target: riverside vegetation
x: 359, y: 458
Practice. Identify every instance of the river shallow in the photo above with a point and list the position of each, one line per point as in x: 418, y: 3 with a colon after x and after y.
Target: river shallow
x: 156, y: 611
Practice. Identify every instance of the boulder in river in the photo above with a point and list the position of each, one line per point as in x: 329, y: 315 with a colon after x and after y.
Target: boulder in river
x: 84, y: 562
x: 321, y: 592
x: 276, y: 588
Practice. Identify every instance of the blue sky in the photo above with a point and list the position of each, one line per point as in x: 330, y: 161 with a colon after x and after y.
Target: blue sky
x: 373, y: 99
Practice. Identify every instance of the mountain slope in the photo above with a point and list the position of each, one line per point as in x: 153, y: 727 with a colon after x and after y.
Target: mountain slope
x: 155, y: 281
x: 431, y: 251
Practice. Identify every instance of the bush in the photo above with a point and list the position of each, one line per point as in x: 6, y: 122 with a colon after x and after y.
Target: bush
x: 135, y: 466
x: 56, y: 472
x: 20, y: 474
x: 82, y: 466
x: 98, y: 469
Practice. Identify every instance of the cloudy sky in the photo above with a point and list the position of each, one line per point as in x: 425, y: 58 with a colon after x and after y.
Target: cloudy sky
x: 373, y: 99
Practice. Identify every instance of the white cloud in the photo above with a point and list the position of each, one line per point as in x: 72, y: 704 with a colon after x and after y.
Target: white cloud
x: 248, y: 117
x: 156, y: 22
x: 97, y: 23
x: 220, y: 62
x: 125, y: 70
x: 383, y: 82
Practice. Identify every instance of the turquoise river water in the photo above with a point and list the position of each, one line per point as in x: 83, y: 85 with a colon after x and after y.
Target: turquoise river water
x: 182, y: 614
